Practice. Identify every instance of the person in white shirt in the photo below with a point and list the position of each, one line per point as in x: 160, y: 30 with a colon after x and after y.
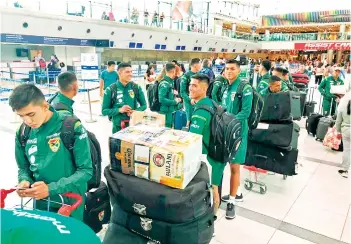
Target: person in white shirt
x: 255, y: 76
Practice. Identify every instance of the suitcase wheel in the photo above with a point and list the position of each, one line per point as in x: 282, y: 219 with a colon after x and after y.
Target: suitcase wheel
x: 248, y: 185
x: 263, y: 189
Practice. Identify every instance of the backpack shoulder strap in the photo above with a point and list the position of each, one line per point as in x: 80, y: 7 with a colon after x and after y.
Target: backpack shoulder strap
x: 241, y: 88
x: 113, y: 93
x: 60, y: 107
x: 207, y: 108
x: 24, y: 131
x: 67, y: 131
x: 52, y: 98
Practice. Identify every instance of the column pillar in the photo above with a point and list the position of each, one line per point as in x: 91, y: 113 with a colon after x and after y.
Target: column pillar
x: 330, y: 55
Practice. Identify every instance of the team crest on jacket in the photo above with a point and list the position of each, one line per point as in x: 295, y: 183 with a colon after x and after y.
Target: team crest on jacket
x: 54, y: 144
x: 131, y: 93
x: 232, y: 96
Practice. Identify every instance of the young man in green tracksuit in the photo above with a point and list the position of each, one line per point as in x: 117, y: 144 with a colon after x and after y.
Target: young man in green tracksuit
x: 201, y: 124
x: 123, y: 98
x: 195, y: 67
x: 166, y: 96
x: 281, y: 72
x: 241, y: 108
x: 325, y: 87
x: 45, y: 165
x: 275, y: 86
x: 218, y: 86
x: 68, y: 85
x: 264, y: 69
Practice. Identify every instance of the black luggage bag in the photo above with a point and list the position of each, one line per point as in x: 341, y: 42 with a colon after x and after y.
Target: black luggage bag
x: 157, y: 201
x: 310, y: 104
x: 312, y: 123
x: 117, y: 234
x: 284, y: 136
x: 97, y: 208
x: 282, y: 107
x: 322, y: 128
x: 197, y: 231
x: 271, y: 158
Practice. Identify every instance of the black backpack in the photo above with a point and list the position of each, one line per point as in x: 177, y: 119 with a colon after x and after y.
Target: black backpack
x: 257, y: 105
x: 152, y: 94
x: 225, y: 137
x: 67, y: 137
x: 135, y: 89
x: 210, y: 88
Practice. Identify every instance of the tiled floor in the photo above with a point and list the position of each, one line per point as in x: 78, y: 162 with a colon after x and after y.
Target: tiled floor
x: 317, y: 199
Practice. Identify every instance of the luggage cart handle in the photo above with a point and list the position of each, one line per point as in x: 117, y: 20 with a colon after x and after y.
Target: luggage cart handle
x: 66, y: 210
x: 3, y: 195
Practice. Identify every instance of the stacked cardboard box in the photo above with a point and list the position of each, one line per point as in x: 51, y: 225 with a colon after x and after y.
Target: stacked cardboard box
x: 170, y: 157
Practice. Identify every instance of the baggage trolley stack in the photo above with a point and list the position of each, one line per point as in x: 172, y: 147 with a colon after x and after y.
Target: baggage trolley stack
x: 273, y: 145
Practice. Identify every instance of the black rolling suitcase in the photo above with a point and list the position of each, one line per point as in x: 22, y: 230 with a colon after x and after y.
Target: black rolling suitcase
x: 197, y: 231
x: 117, y: 234
x: 285, y: 136
x: 310, y: 104
x: 160, y: 202
x: 97, y: 209
x: 281, y: 107
x: 303, y: 97
x: 313, y: 120
x: 323, y: 124
x: 271, y: 158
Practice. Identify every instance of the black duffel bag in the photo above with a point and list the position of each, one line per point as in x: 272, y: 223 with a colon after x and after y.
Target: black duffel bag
x: 160, y: 202
x: 117, y: 234
x: 197, y: 231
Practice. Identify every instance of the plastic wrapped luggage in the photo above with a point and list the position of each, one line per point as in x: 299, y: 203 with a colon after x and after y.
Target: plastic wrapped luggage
x: 271, y: 158
x: 281, y: 107
x: 285, y: 136
x: 160, y: 202
x: 197, y: 231
x: 300, y: 78
x: 179, y: 119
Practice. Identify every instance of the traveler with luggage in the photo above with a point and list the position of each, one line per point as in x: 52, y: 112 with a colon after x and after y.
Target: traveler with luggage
x: 241, y: 108
x: 108, y: 77
x: 264, y: 70
x: 219, y: 86
x: 343, y: 125
x: 201, y: 124
x: 329, y: 100
x: 275, y: 86
x: 168, y: 100
x: 195, y: 67
x: 206, y: 69
x: 38, y: 153
x: 68, y: 85
x: 255, y: 76
x: 122, y: 98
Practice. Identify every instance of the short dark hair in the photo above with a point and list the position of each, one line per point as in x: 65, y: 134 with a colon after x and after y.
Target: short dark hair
x: 66, y: 79
x: 206, y: 63
x: 124, y: 65
x: 169, y: 67
x: 267, y: 64
x: 202, y: 78
x: 109, y: 63
x: 233, y: 61
x: 257, y: 63
x: 274, y: 78
x: 281, y: 70
x: 25, y: 94
x: 175, y: 61
x: 194, y: 61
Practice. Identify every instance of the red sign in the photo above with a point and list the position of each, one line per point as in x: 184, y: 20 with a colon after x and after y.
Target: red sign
x: 323, y: 46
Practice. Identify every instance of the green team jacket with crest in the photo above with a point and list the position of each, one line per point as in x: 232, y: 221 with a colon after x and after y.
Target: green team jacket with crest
x: 166, y: 97
x: 125, y: 95
x: 45, y: 158
x: 60, y: 98
x: 220, y: 83
x: 232, y: 104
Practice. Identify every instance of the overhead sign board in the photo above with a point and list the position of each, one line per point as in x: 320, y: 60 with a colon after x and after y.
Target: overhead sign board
x: 323, y: 46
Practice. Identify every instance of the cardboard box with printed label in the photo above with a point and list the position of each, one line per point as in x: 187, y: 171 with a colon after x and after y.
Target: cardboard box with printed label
x: 148, y: 118
x: 163, y: 155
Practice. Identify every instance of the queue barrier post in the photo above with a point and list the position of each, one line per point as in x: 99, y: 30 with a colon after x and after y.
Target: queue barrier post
x: 85, y: 101
x: 91, y: 119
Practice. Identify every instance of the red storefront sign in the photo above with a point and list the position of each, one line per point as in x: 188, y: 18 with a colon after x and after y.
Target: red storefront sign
x: 323, y: 46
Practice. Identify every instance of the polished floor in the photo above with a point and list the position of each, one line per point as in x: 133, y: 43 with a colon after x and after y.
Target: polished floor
x: 311, y: 207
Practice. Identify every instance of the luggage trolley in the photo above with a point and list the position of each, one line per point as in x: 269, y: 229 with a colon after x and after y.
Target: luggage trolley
x: 250, y: 183
x: 65, y: 210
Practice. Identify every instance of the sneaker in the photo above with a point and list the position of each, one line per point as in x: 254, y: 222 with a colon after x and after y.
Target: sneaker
x: 237, y: 198
x: 230, y: 213
x: 344, y: 173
